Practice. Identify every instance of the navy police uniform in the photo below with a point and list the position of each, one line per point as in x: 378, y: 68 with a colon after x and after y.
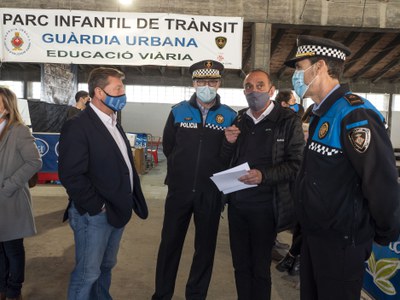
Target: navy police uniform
x: 347, y: 194
x: 192, y: 147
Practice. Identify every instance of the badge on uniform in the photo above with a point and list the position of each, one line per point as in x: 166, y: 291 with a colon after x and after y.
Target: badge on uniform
x: 360, y: 139
x: 323, y: 130
x: 219, y: 119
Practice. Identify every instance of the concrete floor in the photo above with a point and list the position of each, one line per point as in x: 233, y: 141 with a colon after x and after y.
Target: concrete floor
x: 50, y: 254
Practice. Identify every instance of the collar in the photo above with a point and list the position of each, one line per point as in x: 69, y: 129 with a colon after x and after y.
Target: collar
x: 203, y: 108
x: 106, y: 119
x: 265, y: 113
x: 316, y: 106
x: 336, y: 93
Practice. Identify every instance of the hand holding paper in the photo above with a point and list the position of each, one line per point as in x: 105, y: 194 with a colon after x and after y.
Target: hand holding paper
x: 228, y: 181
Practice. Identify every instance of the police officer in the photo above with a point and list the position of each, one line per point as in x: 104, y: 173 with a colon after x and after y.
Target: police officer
x: 192, y: 140
x: 347, y: 194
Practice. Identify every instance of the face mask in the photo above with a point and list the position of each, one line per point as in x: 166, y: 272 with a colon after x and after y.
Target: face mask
x: 298, y: 82
x: 206, y: 93
x: 116, y: 103
x: 295, y: 107
x: 257, y: 100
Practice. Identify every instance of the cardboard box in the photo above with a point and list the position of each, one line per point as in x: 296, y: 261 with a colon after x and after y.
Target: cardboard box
x: 139, y: 158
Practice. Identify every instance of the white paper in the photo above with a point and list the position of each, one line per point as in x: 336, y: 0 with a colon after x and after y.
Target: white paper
x: 227, y: 181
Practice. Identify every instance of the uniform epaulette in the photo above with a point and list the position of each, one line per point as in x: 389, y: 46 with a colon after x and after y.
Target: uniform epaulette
x: 354, y: 99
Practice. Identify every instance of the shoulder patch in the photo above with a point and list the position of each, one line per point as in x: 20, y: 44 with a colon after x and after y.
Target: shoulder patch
x: 353, y: 99
x: 360, y: 138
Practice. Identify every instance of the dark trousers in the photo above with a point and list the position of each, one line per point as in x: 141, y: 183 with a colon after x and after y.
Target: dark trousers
x: 179, y: 208
x: 252, y: 234
x: 331, y: 271
x: 12, y: 267
x: 295, y: 248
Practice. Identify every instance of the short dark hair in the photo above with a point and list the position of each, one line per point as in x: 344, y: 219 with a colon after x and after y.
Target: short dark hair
x: 284, y: 96
x: 335, y: 66
x: 99, y: 78
x: 81, y: 94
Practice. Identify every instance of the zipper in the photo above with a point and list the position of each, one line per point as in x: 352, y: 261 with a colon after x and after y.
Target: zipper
x: 354, y: 229
x: 199, y: 149
x: 197, y: 166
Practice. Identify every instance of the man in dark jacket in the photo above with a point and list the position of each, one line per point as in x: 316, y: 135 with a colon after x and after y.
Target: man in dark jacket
x: 192, y: 141
x: 96, y: 168
x: 270, y: 139
x: 347, y: 194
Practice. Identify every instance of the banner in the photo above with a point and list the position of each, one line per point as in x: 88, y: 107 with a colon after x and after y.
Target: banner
x: 382, y: 276
x: 47, y: 144
x: 118, y: 38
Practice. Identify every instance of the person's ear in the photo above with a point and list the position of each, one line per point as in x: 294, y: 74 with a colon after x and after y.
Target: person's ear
x: 272, y: 91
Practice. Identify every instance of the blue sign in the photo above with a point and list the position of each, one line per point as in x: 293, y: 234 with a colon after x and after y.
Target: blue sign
x: 47, y: 144
x: 382, y: 276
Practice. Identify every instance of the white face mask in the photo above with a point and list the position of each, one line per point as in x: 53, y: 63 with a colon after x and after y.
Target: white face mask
x: 206, y: 93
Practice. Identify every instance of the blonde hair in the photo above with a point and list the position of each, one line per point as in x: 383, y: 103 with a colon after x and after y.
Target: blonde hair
x: 11, y: 106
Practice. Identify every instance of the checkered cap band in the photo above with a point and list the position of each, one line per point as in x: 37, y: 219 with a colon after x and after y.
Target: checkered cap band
x: 206, y: 73
x: 322, y: 149
x: 315, y: 50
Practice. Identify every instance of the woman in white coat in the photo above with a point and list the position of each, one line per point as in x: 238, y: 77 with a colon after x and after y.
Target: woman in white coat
x: 19, y: 161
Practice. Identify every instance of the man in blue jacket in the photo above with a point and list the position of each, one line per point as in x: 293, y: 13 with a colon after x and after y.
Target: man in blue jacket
x: 347, y: 194
x: 191, y: 142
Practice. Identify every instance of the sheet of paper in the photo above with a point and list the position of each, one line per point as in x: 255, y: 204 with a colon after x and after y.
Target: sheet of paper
x: 227, y: 180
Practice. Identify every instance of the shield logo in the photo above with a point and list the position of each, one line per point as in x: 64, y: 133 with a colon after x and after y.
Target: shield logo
x: 323, y: 130
x: 220, y: 41
x: 17, y: 41
x: 360, y: 139
x: 219, y: 119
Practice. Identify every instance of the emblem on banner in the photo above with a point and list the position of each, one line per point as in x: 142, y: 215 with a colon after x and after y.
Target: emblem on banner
x: 56, y: 148
x: 42, y: 146
x: 219, y: 119
x: 323, y: 130
x: 17, y: 41
x: 220, y: 41
x: 360, y: 139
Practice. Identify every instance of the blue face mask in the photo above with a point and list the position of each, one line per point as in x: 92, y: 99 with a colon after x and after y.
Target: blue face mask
x: 257, y: 100
x: 295, y: 107
x: 206, y: 93
x: 116, y: 103
x: 298, y: 82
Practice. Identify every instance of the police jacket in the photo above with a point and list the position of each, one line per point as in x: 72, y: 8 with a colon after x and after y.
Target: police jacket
x: 347, y: 188
x: 192, y: 149
x: 287, y: 149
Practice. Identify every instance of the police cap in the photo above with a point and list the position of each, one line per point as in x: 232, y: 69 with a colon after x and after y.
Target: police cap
x: 206, y: 69
x: 310, y: 46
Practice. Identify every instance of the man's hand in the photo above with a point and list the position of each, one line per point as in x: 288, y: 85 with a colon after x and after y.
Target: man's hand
x: 232, y: 133
x: 253, y: 176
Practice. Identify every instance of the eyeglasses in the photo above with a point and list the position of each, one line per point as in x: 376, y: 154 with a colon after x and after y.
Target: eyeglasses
x: 209, y: 82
